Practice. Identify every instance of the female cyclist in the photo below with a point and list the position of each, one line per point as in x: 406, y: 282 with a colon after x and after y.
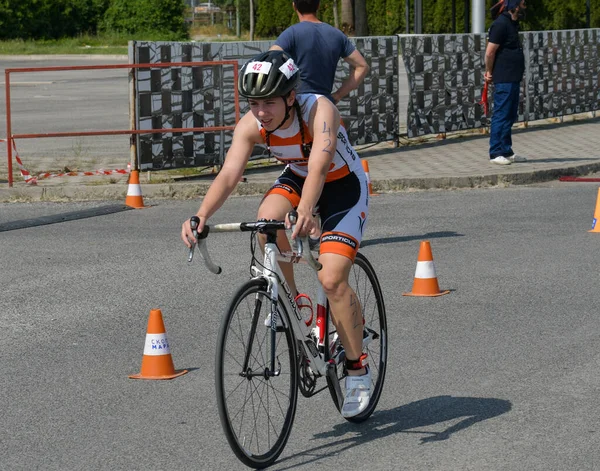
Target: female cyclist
x: 322, y: 170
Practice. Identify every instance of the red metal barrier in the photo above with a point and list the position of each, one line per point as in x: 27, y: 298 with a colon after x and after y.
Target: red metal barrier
x: 10, y: 136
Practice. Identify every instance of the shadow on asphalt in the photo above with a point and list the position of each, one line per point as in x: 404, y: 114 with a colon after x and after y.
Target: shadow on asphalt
x: 460, y: 412
x: 63, y: 217
x: 393, y: 240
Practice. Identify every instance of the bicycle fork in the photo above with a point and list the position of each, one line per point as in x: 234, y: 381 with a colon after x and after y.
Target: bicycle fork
x: 270, y: 370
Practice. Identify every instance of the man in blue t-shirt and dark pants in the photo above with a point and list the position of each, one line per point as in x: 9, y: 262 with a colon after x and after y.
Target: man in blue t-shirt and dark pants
x: 504, y: 66
x: 316, y: 48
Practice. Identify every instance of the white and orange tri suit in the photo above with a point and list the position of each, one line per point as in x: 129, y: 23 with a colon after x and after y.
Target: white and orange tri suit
x: 344, y: 201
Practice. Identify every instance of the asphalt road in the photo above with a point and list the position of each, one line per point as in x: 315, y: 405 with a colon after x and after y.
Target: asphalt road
x: 68, y: 101
x: 500, y: 374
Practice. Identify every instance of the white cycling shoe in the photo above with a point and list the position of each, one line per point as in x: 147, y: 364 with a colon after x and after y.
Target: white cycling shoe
x: 358, y: 394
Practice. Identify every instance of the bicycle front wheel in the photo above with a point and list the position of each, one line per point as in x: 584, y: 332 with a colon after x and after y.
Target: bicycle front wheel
x: 365, y: 284
x: 256, y: 398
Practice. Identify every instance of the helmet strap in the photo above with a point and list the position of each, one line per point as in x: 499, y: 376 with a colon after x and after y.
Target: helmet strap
x: 285, y: 118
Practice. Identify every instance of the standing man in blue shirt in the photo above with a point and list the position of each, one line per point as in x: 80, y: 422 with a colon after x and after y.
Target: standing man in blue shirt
x: 504, y: 66
x: 316, y: 48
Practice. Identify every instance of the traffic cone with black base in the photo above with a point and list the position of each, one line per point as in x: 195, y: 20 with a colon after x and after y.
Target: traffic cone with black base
x: 156, y: 361
x: 425, y: 283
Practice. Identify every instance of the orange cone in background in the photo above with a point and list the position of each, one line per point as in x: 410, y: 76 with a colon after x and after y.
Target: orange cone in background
x: 426, y: 283
x: 134, y: 191
x: 596, y: 220
x: 157, y: 362
x: 365, y: 165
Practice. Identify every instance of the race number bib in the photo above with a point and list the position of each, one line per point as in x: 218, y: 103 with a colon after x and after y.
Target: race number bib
x: 258, y: 68
x: 289, y: 68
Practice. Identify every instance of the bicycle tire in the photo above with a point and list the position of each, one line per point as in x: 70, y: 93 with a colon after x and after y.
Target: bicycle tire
x: 365, y: 284
x: 257, y: 412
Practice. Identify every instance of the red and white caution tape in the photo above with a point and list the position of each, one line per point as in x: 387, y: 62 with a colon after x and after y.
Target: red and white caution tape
x: 31, y: 180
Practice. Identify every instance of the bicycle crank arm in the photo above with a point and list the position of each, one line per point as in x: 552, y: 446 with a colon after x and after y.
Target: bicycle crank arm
x: 333, y: 379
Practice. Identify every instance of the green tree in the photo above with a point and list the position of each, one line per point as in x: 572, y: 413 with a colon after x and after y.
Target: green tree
x: 155, y: 19
x: 377, y: 17
x: 48, y: 19
x: 273, y: 16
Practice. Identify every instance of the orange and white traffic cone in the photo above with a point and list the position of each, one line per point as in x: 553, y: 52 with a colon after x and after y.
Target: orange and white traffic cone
x: 156, y: 361
x: 425, y: 283
x: 365, y: 165
x: 596, y: 220
x: 134, y: 191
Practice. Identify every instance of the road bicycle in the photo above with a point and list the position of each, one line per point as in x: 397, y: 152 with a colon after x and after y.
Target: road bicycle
x: 261, y: 366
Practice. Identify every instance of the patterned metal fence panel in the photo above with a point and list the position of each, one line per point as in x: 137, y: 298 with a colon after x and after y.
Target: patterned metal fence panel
x: 445, y: 75
x: 562, y: 72
x: 204, y: 96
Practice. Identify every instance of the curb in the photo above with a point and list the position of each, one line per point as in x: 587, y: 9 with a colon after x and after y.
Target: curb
x: 189, y: 190
x: 483, y: 181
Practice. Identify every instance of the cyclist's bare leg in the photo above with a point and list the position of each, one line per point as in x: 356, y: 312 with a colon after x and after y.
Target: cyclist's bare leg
x: 344, y: 304
x: 276, y: 207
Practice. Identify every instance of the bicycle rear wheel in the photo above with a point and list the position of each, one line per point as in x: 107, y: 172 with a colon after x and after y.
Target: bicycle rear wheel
x: 365, y: 284
x: 256, y: 409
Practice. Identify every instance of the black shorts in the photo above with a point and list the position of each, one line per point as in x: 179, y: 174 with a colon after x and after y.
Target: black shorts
x: 343, y: 208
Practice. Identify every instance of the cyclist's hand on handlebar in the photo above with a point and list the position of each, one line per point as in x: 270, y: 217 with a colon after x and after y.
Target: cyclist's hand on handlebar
x: 187, y: 233
x: 305, y: 223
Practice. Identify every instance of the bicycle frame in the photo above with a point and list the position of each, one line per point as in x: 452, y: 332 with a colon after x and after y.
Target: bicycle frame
x: 275, y: 280
x: 323, y: 359
x: 261, y: 368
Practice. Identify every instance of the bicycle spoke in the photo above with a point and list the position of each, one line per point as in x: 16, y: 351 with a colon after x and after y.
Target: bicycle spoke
x: 256, y: 416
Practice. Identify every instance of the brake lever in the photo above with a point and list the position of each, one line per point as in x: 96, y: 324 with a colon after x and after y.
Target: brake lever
x: 194, y: 221
x: 302, y: 242
x: 201, y: 244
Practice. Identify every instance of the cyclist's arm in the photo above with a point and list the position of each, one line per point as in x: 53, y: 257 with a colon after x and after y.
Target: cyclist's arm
x: 324, y: 122
x: 358, y: 71
x: 245, y: 136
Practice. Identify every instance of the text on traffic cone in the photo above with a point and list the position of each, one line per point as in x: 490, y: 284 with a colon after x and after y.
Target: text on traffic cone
x: 425, y: 282
x: 157, y: 362
x: 134, y: 191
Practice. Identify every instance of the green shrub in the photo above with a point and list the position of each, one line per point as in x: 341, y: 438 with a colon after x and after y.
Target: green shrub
x: 49, y: 19
x: 273, y: 16
x: 147, y: 19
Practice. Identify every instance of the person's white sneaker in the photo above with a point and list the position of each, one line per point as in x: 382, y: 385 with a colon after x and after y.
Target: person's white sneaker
x: 500, y: 160
x: 358, y: 394
x: 516, y: 158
